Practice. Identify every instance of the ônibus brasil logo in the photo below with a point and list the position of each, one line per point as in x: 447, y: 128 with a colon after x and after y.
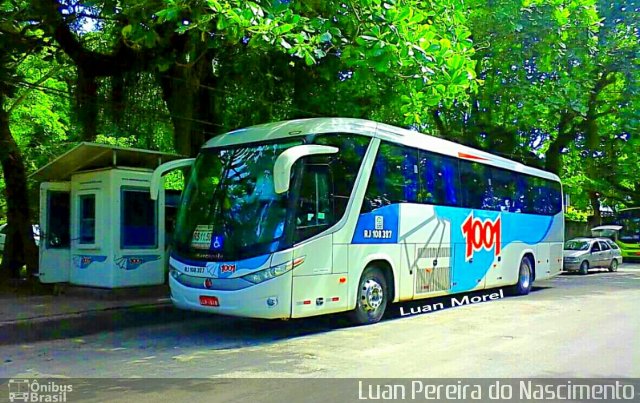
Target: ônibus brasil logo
x: 481, y: 234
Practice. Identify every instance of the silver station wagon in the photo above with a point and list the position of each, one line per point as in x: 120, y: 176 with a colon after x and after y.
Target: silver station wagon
x: 582, y: 254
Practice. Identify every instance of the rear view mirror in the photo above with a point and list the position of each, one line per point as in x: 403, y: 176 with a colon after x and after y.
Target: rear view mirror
x: 163, y: 170
x: 284, y: 163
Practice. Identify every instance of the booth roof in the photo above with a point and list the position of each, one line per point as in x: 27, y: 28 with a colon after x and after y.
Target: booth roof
x: 88, y: 156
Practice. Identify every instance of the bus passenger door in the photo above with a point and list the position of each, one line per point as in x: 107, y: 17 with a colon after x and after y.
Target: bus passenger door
x: 316, y: 288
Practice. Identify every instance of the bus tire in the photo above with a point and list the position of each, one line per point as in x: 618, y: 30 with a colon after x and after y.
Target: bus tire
x: 584, y: 268
x: 371, y: 298
x: 613, y: 266
x: 525, y: 276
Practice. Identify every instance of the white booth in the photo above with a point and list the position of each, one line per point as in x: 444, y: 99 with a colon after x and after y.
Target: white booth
x: 99, y: 226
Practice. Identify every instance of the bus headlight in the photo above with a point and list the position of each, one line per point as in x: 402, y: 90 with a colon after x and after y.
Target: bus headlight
x: 272, y: 272
x: 175, y: 273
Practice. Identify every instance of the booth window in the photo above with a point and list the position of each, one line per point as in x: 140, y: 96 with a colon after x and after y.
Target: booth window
x: 139, y: 224
x: 88, y: 219
x: 58, y: 220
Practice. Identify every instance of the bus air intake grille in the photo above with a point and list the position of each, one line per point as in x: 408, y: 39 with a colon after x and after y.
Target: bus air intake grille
x: 433, y: 279
x: 434, y: 252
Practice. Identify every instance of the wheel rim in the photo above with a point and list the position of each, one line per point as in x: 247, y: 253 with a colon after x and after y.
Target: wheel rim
x: 584, y: 267
x: 525, y: 275
x: 372, y: 295
x: 614, y: 265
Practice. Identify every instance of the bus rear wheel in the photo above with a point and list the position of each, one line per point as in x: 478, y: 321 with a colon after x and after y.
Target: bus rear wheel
x: 525, y: 278
x: 372, y: 297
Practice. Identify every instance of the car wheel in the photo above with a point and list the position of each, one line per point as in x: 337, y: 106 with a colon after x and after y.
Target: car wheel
x: 372, y: 297
x: 584, y: 268
x: 613, y: 266
x: 525, y: 278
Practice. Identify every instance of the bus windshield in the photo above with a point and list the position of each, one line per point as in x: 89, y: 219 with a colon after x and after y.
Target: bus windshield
x: 630, y: 221
x: 230, y: 210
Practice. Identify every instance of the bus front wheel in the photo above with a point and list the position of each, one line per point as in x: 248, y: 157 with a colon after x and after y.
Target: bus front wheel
x: 372, y: 297
x: 525, y: 278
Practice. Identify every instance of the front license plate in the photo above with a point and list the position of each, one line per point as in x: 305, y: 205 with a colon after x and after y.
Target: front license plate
x: 209, y: 301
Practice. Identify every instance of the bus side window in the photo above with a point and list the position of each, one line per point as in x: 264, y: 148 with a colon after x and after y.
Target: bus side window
x: 438, y: 179
x: 546, y: 196
x: 344, y: 167
x: 504, y: 191
x: 314, y: 212
x: 476, y: 186
x: 327, y: 183
x: 394, y: 178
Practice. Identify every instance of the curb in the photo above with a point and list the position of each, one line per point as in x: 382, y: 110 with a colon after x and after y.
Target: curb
x: 90, y: 322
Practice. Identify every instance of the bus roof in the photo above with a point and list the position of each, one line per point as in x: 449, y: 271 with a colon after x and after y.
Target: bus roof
x: 393, y: 134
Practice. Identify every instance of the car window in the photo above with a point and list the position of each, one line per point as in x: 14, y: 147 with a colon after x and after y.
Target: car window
x: 595, y: 247
x: 613, y: 245
x: 604, y: 245
x: 576, y: 245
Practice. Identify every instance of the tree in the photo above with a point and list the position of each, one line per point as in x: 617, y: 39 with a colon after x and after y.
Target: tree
x: 559, y: 90
x: 414, y: 52
x: 18, y: 41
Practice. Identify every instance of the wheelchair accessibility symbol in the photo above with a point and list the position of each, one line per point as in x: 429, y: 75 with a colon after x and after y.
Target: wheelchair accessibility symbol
x: 217, y: 242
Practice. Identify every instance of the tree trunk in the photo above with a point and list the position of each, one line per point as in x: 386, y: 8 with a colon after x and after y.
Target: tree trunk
x: 181, y: 90
x: 596, y: 218
x: 440, y: 125
x: 87, y: 104
x: 20, y: 248
x: 553, y: 156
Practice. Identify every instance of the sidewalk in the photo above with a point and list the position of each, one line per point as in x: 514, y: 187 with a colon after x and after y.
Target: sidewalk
x: 83, y: 311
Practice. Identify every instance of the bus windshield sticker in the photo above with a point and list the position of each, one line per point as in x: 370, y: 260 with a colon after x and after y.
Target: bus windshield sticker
x: 217, y: 242
x: 202, y: 237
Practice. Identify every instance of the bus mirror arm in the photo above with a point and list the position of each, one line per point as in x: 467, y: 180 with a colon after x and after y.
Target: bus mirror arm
x: 284, y: 163
x: 162, y: 170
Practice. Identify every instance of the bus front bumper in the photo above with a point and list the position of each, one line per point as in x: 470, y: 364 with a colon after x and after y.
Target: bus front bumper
x: 268, y: 300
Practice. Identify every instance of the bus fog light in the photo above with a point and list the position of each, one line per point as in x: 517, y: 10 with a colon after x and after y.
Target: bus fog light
x: 272, y: 301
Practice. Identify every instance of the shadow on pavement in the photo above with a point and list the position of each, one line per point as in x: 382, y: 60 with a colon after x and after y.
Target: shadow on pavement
x: 222, y: 332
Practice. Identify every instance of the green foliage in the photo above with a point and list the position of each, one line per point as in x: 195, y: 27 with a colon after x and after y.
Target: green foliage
x: 559, y: 77
x: 174, y: 180
x: 422, y: 47
x: 573, y: 214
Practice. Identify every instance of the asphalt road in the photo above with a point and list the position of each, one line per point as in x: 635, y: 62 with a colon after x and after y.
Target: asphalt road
x: 570, y: 326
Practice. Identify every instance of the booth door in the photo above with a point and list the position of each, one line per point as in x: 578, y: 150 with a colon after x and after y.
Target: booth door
x: 55, y: 230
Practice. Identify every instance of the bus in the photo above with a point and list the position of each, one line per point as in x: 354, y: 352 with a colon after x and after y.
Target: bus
x: 629, y: 234
x: 317, y: 216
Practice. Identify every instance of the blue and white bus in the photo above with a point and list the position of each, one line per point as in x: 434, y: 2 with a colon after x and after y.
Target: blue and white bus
x: 316, y: 216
